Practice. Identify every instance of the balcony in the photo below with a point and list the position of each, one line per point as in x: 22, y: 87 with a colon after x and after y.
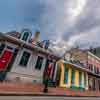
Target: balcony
x: 94, y: 69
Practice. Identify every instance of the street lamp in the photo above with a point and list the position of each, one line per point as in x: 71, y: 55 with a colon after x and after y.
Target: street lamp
x: 47, y: 77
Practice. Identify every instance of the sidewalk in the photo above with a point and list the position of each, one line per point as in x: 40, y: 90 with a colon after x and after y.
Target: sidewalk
x: 3, y: 93
x: 7, y: 88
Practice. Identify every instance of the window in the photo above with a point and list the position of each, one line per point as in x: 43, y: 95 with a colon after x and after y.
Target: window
x: 65, y: 75
x: 99, y: 84
x: 25, y: 36
x: 90, y: 83
x: 89, y: 67
x: 24, y: 59
x: 73, y: 76
x: 39, y: 63
x: 93, y: 67
x: 97, y: 70
x: 94, y: 84
x: 8, y: 47
x: 2, y: 46
x: 80, y: 78
x: 84, y: 79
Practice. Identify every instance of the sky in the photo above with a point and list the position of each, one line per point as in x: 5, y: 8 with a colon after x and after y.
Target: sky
x: 66, y: 23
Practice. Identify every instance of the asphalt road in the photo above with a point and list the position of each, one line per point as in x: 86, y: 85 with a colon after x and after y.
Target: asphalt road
x: 46, y: 98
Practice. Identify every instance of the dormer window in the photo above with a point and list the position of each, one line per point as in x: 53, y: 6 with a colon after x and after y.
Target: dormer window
x: 25, y: 35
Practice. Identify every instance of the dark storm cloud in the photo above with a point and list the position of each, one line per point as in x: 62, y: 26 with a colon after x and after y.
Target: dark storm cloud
x: 87, y: 21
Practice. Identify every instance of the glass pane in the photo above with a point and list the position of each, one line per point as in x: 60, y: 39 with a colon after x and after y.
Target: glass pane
x: 39, y: 63
x: 24, y: 59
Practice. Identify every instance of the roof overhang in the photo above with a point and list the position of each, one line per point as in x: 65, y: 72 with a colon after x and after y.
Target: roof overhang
x: 5, y: 37
x: 82, y: 68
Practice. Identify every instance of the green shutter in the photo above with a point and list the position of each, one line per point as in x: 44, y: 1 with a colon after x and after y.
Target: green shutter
x: 80, y: 79
x: 84, y: 79
x: 65, y: 74
x: 73, y: 76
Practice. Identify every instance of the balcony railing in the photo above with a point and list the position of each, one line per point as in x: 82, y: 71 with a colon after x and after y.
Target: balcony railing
x: 91, y: 67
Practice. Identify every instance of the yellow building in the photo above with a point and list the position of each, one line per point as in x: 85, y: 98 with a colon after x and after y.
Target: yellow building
x: 71, y: 76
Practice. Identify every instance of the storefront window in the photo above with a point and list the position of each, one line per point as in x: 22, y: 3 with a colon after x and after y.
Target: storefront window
x: 94, y: 84
x: 99, y: 84
x: 90, y: 83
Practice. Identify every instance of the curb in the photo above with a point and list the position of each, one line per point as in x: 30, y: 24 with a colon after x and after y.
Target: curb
x: 40, y: 94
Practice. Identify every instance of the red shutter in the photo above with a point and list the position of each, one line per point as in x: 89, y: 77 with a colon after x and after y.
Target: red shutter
x: 4, y: 59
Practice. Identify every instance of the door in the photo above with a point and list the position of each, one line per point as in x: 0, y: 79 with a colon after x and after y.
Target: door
x: 5, y: 58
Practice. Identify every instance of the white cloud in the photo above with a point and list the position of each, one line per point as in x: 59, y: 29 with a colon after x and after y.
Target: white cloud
x: 65, y: 22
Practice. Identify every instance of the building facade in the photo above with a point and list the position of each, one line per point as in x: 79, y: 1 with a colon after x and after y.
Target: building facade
x: 21, y: 60
x: 71, y: 76
x: 89, y: 62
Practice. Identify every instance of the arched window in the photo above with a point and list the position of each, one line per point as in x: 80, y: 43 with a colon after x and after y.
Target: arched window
x: 25, y: 36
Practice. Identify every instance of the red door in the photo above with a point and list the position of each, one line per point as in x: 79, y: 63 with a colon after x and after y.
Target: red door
x: 4, y: 59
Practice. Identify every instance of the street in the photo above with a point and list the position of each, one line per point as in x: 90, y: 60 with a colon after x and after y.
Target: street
x: 46, y: 98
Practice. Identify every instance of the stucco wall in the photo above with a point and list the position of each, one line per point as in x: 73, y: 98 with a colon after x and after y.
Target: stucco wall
x: 27, y: 73
x: 76, y: 81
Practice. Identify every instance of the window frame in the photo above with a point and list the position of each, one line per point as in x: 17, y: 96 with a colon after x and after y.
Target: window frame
x: 36, y: 65
x: 66, y: 78
x: 20, y: 62
x: 73, y: 77
x: 24, y: 38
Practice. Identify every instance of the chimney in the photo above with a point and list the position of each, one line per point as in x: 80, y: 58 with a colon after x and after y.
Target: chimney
x: 36, y: 37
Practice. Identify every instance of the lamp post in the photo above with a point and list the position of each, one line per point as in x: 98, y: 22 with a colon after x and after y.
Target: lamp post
x: 46, y: 85
x: 47, y: 77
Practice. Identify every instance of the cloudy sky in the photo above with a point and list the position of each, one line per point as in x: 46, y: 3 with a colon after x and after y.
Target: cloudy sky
x: 65, y: 22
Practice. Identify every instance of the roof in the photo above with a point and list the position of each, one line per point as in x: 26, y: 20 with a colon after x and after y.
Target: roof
x: 91, y: 54
x: 14, y: 34
x: 75, y: 50
x: 30, y: 46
